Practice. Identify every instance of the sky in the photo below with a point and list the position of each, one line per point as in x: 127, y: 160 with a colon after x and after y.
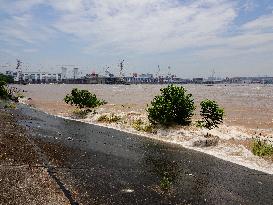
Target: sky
x: 193, y: 37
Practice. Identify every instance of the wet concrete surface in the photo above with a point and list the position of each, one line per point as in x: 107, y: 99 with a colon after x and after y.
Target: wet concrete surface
x: 97, y: 165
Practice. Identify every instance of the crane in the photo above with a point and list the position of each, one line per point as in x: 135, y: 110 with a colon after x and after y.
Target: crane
x: 107, y: 72
x: 121, y: 69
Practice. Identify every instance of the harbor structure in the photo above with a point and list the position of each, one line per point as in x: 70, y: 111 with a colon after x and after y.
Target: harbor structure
x: 35, y: 77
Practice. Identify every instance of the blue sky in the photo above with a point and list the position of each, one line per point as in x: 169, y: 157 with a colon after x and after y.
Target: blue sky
x: 232, y: 37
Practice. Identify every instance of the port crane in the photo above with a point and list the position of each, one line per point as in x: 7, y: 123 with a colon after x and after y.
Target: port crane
x: 107, y: 72
x: 121, y: 69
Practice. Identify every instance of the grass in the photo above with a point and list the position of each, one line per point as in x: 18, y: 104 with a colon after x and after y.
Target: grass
x: 199, y: 124
x: 139, y: 125
x: 165, y: 183
x: 80, y: 113
x: 10, y: 106
x: 262, y: 148
x: 109, y: 118
x: 20, y: 95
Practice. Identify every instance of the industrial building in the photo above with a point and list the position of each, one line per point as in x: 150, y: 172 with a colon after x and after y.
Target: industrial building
x: 35, y: 77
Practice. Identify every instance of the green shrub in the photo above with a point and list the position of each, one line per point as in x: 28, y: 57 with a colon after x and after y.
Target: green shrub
x: 20, y: 95
x: 212, y: 115
x: 3, y: 90
x: 173, y: 106
x: 83, y: 99
x: 109, y: 119
x: 261, y: 148
x: 10, y: 106
x: 80, y: 113
x: 139, y: 125
x: 6, y: 78
x: 165, y: 183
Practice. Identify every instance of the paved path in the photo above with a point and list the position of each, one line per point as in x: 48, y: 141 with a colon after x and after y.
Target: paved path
x: 95, y: 165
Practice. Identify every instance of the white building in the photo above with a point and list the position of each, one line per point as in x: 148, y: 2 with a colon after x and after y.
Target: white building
x: 35, y: 77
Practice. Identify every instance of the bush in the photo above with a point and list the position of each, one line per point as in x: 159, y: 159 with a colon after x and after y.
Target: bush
x: 139, y: 125
x: 6, y: 92
x: 78, y: 113
x: 165, y: 183
x: 173, y: 106
x: 83, y: 99
x: 261, y: 148
x: 3, y: 90
x: 109, y: 119
x: 6, y: 78
x: 10, y: 106
x: 211, y: 113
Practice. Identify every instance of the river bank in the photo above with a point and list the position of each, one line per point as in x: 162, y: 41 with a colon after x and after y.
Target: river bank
x: 100, y: 165
x: 231, y: 141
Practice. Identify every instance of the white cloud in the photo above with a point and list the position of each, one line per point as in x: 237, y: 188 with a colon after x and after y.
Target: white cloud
x: 148, y: 26
x: 142, y: 26
x: 24, y: 28
x: 263, y: 22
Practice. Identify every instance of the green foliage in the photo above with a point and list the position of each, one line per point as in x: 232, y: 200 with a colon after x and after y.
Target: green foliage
x: 165, y: 183
x: 10, y: 106
x: 139, y: 125
x: 199, y: 123
x: 5, y: 78
x: 83, y: 99
x: 20, y: 95
x: 80, y: 113
x: 212, y: 115
x: 173, y: 106
x: 3, y: 90
x: 109, y: 119
x: 261, y: 148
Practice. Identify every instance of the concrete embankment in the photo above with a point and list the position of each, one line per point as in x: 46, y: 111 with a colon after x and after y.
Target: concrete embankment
x: 24, y: 179
x: 96, y: 165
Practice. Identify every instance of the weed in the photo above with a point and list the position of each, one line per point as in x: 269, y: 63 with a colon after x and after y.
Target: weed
x: 109, y: 118
x: 20, y: 95
x: 261, y: 148
x: 165, y: 183
x: 10, y: 106
x: 139, y: 125
x: 79, y: 113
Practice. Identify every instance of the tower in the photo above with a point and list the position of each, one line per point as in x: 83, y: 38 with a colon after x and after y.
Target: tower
x: 64, y: 71
x: 75, y: 73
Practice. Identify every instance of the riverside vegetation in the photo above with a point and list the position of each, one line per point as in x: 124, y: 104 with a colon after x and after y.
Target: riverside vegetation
x: 84, y: 100
x: 212, y: 115
x: 262, y: 148
x: 174, y: 106
x: 8, y: 93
